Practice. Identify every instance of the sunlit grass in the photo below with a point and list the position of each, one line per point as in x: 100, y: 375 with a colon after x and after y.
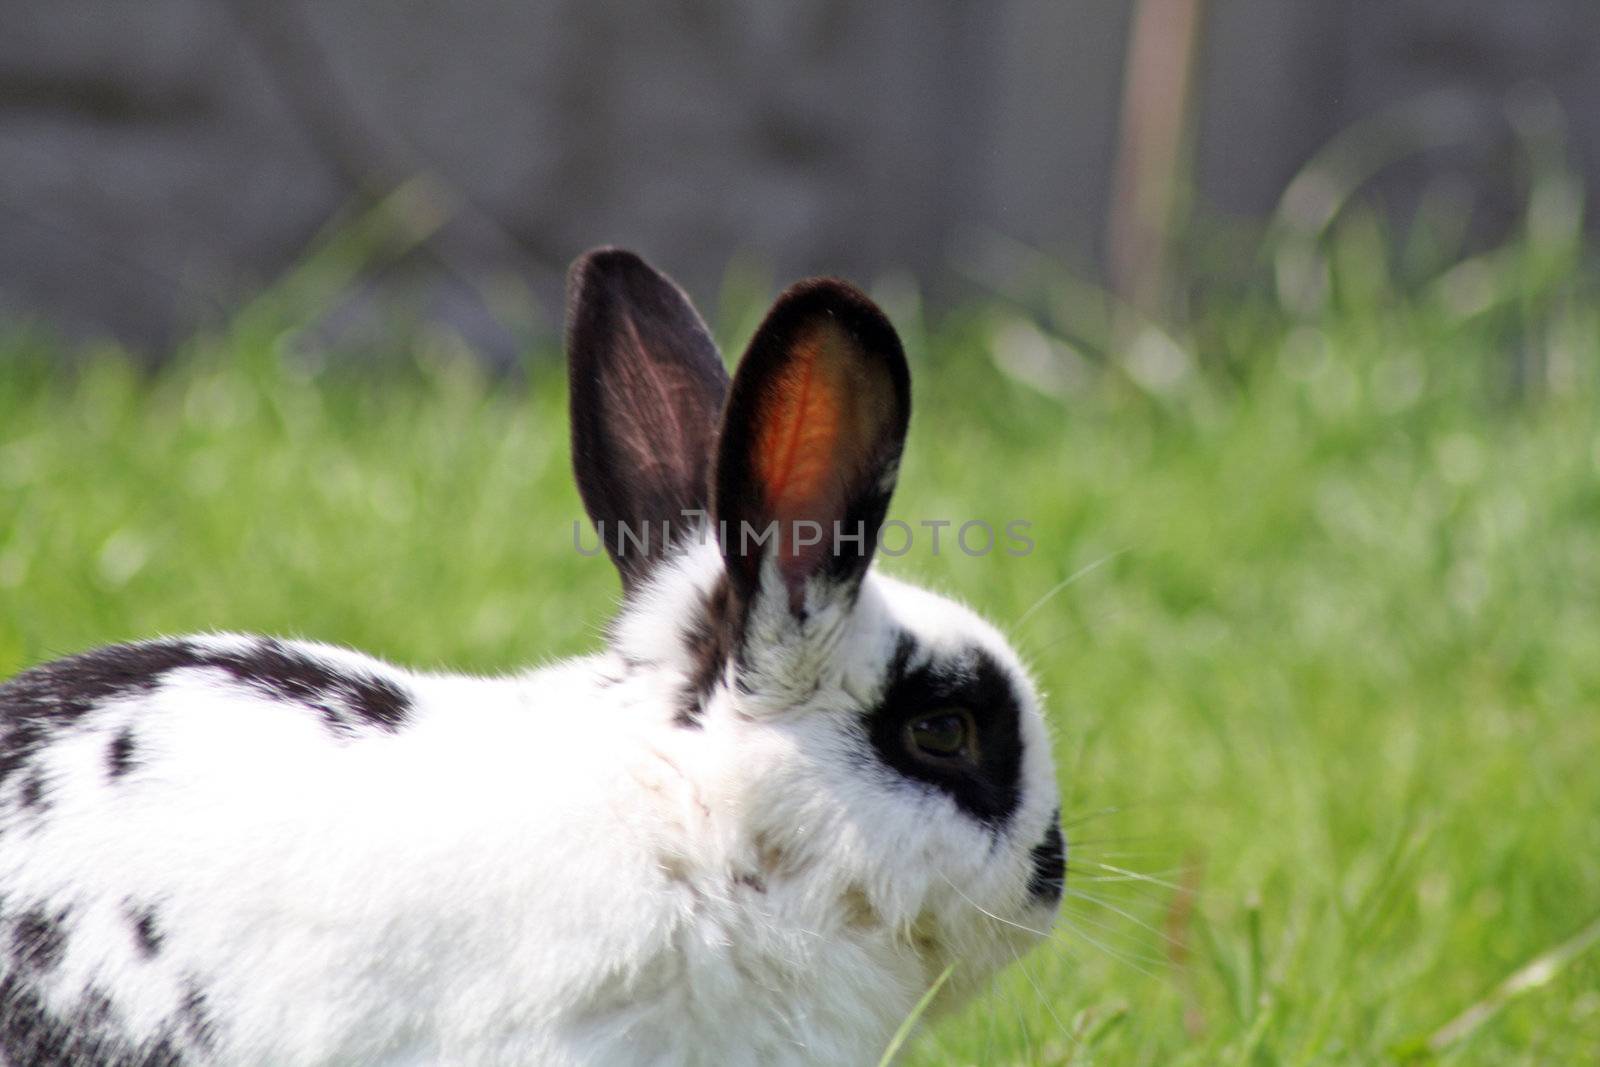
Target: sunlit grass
x: 1322, y: 651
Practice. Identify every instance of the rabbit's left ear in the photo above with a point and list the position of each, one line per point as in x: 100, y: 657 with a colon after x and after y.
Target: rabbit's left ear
x: 646, y: 387
x: 810, y: 443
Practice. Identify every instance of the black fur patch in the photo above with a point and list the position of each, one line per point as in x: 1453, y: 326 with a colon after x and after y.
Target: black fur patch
x: 37, y: 939
x: 711, y: 639
x: 119, y: 754
x: 146, y: 930
x: 32, y: 792
x: 56, y: 696
x: 195, y: 1016
x: 347, y: 700
x: 28, y: 1033
x: 38, y: 1032
x: 972, y: 680
x: 1049, y: 878
x: 33, y: 1035
x: 97, y: 1011
x: 37, y: 703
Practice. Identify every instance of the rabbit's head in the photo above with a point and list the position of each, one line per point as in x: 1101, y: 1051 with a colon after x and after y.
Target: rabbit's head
x: 867, y: 760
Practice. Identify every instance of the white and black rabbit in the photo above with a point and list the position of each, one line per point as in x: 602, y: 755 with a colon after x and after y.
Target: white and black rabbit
x: 755, y: 829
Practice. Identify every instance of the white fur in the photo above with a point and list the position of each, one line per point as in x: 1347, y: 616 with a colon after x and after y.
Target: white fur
x: 541, y: 869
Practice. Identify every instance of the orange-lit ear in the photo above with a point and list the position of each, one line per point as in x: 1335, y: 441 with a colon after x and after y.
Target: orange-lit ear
x: 811, y: 440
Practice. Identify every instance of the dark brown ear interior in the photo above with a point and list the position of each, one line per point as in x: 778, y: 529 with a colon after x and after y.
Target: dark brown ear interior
x: 646, y: 390
x: 811, y: 440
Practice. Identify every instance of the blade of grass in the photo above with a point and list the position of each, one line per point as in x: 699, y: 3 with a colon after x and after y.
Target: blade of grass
x: 1535, y: 974
x: 910, y: 1022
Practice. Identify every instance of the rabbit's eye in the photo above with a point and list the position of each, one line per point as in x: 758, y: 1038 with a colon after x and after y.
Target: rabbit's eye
x: 945, y: 735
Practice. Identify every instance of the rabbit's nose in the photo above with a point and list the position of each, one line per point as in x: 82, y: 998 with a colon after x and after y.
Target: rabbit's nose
x: 1049, y: 864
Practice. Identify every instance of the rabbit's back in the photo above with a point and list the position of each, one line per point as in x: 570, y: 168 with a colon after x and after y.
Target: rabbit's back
x: 350, y: 832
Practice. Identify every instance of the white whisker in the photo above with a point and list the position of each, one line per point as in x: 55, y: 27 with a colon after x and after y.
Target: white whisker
x: 985, y: 911
x: 1142, y: 964
x: 1054, y: 590
x: 1021, y: 963
x: 1157, y: 879
x: 1099, y: 813
x: 1165, y: 937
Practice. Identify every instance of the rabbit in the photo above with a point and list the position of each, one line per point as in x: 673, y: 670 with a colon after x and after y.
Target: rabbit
x: 788, y: 796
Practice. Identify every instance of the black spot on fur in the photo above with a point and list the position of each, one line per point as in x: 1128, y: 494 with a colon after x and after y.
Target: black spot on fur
x: 711, y: 639
x: 195, y: 1016
x: 34, y: 1035
x: 38, y: 939
x: 28, y: 1033
x: 41, y: 702
x: 87, y: 1032
x: 1049, y: 878
x: 146, y: 930
x: 119, y: 754
x: 67, y: 689
x: 989, y: 790
x: 32, y: 792
x: 96, y: 1011
x: 348, y: 699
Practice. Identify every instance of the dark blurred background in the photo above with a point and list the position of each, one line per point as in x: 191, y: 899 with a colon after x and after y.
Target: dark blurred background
x: 161, y: 161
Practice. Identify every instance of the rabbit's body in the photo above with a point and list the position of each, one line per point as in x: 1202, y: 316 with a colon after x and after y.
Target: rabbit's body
x: 194, y: 810
x: 709, y: 844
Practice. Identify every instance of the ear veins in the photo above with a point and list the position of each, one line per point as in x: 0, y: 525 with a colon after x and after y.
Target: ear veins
x: 796, y: 416
x: 814, y: 434
x: 810, y: 437
x: 646, y: 390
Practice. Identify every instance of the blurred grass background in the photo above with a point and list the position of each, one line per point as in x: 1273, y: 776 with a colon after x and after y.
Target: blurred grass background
x: 1315, y: 593
x: 1315, y: 597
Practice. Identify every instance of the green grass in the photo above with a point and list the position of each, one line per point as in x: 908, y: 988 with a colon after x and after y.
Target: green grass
x: 1324, y: 672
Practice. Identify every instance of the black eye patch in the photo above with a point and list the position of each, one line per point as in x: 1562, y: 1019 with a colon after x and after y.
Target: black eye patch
x: 987, y: 789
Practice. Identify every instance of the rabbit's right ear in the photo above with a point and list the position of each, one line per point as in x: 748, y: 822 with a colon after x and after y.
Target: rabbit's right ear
x: 646, y: 389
